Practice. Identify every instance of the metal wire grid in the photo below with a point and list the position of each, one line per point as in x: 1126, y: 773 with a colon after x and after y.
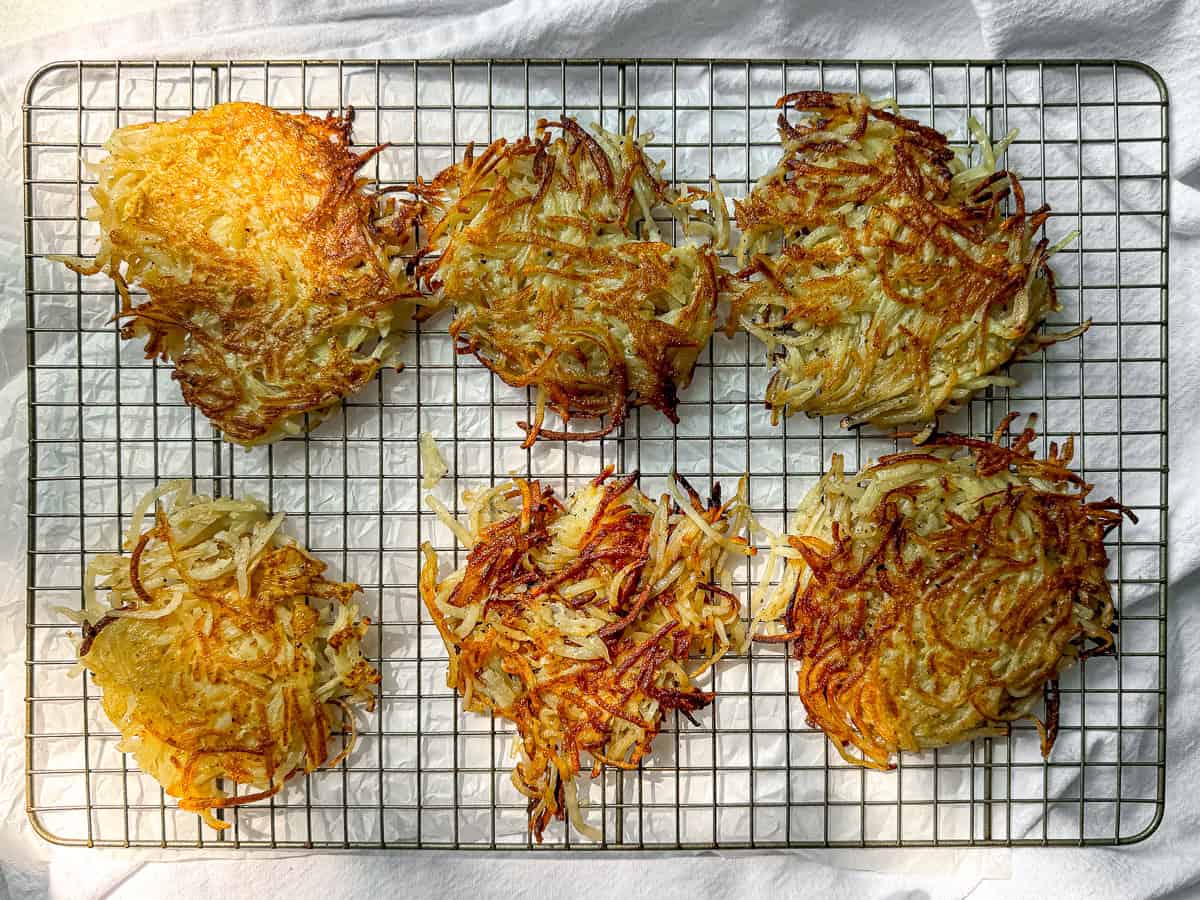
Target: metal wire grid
x: 105, y: 424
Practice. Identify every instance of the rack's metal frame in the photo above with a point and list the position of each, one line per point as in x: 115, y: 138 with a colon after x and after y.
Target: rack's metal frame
x: 104, y: 424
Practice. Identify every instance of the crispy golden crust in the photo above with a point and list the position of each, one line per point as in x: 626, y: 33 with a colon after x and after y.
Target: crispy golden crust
x: 271, y: 273
x: 879, y: 270
x: 209, y: 679
x: 539, y: 252
x: 930, y: 598
x: 583, y: 623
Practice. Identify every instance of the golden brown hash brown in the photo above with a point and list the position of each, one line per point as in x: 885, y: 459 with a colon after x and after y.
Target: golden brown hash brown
x: 539, y: 252
x: 222, y: 651
x: 585, y: 623
x: 930, y: 598
x: 879, y: 269
x: 272, y: 275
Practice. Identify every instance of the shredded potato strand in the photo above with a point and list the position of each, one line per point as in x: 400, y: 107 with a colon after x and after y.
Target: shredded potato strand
x: 274, y: 279
x: 585, y: 623
x: 433, y: 464
x: 221, y: 651
x: 549, y: 251
x: 931, y: 597
x: 878, y: 268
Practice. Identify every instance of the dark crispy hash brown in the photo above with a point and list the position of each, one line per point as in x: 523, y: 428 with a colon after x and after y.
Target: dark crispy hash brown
x: 540, y: 253
x: 879, y: 269
x: 930, y: 598
x: 273, y: 277
x: 222, y: 651
x: 586, y: 622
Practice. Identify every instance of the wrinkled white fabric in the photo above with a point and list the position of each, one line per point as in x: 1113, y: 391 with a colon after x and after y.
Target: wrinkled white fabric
x: 1164, y: 34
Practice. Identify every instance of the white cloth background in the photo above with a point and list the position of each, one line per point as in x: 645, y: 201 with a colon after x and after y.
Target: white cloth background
x: 1163, y: 34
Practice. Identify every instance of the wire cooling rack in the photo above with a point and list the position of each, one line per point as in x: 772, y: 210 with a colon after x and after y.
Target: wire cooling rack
x: 105, y: 424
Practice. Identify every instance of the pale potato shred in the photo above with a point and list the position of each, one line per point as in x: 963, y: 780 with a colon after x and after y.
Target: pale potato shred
x: 221, y: 651
x: 931, y: 597
x: 538, y: 244
x: 879, y: 270
x: 273, y: 276
x: 585, y: 623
